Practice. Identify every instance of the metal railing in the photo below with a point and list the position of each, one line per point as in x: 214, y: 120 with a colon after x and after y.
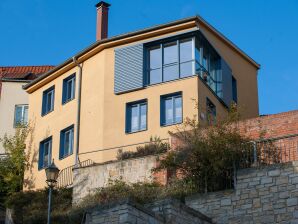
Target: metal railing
x: 112, y: 152
x: 65, y: 177
x: 264, y: 152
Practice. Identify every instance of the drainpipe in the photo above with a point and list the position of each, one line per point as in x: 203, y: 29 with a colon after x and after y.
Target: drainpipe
x: 78, y: 111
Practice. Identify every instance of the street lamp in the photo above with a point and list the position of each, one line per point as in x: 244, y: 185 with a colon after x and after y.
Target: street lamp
x: 52, y: 173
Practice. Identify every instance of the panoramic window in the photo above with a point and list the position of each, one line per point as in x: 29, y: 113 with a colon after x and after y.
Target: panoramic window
x: 171, y: 60
x: 136, y: 116
x: 68, y: 92
x: 171, y: 109
x: 48, y: 100
x: 66, y: 142
x: 45, y: 153
x: 211, y: 112
x: 20, y: 115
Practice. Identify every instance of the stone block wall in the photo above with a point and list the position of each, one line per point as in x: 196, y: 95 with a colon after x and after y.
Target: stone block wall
x: 122, y: 212
x: 88, y: 179
x: 160, y: 212
x: 268, y: 195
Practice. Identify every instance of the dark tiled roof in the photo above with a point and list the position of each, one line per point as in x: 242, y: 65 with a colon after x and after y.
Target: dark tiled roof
x: 22, y: 72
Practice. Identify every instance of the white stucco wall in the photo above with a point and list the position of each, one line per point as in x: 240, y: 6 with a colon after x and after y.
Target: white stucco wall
x: 12, y: 94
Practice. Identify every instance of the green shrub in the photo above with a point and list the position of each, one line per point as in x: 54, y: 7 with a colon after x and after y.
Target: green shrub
x: 31, y: 207
x: 207, y: 156
x: 155, y: 146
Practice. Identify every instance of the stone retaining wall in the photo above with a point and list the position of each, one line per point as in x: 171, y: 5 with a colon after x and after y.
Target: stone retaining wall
x: 88, y: 179
x: 160, y: 212
x: 268, y: 195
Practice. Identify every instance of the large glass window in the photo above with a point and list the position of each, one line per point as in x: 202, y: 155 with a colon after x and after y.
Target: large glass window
x: 136, y: 116
x: 171, y: 60
x: 20, y: 115
x: 66, y: 142
x: 68, y: 92
x: 171, y: 109
x: 45, y: 153
x: 186, y: 57
x: 48, y: 100
x: 155, y: 70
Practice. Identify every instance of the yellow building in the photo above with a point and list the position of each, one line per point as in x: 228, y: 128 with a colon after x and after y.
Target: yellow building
x: 123, y: 90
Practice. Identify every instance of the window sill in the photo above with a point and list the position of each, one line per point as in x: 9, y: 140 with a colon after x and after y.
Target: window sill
x: 47, y: 113
x: 67, y: 101
x: 167, y: 125
x: 42, y: 168
x: 133, y: 132
x: 65, y: 156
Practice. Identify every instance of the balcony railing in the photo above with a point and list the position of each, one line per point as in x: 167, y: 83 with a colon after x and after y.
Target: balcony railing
x: 65, y: 178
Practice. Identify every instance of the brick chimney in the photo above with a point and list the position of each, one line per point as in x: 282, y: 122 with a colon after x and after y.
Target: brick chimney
x: 102, y: 20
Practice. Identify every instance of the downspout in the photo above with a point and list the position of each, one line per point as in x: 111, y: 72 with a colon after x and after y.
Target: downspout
x: 78, y: 111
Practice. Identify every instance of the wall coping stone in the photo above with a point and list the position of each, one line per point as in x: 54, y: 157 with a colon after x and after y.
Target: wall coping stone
x: 119, y: 161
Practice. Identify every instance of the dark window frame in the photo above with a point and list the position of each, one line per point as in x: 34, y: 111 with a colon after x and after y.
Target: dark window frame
x: 44, y: 110
x: 128, y: 128
x: 41, y: 164
x: 65, y: 98
x: 63, y: 132
x: 163, y: 99
x: 234, y: 90
x: 23, y: 122
x: 210, y: 111
x: 178, y: 39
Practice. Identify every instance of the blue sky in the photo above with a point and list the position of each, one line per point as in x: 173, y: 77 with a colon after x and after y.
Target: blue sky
x: 39, y: 32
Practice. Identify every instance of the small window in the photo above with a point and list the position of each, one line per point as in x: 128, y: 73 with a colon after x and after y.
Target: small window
x: 171, y: 109
x: 136, y: 116
x: 211, y: 112
x: 234, y: 89
x: 20, y: 115
x: 66, y: 142
x: 68, y: 92
x: 48, y: 100
x: 45, y: 153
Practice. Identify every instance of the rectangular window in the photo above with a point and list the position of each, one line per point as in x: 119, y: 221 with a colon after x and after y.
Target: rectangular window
x: 45, y: 153
x: 155, y: 64
x: 136, y: 116
x: 48, y: 100
x: 234, y: 89
x: 68, y: 92
x: 171, y: 60
x: 211, y: 112
x: 20, y: 115
x: 66, y: 142
x: 171, y: 109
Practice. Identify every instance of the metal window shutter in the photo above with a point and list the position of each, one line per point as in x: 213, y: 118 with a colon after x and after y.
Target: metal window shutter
x: 129, y: 68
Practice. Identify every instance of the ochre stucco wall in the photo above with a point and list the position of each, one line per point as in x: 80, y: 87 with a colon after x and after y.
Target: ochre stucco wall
x: 103, y: 112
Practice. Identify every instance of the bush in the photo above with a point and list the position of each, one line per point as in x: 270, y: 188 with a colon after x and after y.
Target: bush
x: 207, y: 156
x: 156, y: 146
x: 32, y: 206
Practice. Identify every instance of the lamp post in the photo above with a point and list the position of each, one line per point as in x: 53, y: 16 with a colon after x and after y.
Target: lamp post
x: 52, y: 173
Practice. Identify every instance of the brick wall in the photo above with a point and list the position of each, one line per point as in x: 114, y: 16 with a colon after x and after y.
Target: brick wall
x: 274, y: 125
x: 268, y: 195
